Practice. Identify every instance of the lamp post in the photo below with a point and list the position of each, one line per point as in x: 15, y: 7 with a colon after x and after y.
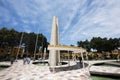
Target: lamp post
x: 23, y: 49
x: 118, y: 57
x: 94, y: 51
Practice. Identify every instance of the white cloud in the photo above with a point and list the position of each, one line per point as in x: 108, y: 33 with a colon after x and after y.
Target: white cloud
x: 4, y: 15
x: 27, y: 29
x: 102, y: 20
x: 78, y: 19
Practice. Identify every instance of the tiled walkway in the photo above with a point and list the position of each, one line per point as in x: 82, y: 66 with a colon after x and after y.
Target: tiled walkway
x: 18, y: 71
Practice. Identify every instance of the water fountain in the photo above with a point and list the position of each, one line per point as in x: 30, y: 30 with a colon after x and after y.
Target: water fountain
x: 54, y: 61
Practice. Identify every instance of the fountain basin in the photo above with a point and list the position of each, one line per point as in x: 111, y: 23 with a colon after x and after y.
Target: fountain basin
x: 112, y: 64
x: 96, y: 77
x: 3, y: 67
x: 45, y: 63
x: 108, y: 69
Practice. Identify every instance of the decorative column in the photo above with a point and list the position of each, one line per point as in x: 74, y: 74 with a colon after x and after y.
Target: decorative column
x: 54, y: 55
x: 68, y: 58
x: 82, y: 60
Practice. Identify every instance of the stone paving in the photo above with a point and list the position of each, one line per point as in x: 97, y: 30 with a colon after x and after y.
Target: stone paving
x: 18, y: 71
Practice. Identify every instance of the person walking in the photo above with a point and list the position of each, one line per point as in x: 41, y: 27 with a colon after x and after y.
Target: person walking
x: 28, y: 60
x: 80, y: 59
x: 12, y: 60
x: 24, y: 60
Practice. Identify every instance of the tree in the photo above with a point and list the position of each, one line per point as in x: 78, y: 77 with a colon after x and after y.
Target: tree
x: 101, y: 44
x: 11, y: 38
x: 85, y: 44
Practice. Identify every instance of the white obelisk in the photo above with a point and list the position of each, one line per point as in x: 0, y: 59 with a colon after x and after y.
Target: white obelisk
x: 54, y: 55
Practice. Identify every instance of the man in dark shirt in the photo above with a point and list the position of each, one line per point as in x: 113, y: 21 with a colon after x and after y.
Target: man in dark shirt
x: 80, y: 59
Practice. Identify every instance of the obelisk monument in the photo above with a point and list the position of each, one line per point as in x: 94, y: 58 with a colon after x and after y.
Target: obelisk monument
x: 54, y: 55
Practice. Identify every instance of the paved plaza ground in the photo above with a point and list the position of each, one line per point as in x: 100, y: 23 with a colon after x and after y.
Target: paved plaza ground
x: 18, y: 71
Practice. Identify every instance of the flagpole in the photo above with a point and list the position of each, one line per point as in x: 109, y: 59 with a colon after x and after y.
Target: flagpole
x: 35, y: 46
x: 19, y: 46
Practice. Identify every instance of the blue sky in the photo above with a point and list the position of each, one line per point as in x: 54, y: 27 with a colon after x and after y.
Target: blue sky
x: 78, y: 19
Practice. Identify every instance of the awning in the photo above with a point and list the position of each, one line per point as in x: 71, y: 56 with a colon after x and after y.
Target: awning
x: 67, y: 48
